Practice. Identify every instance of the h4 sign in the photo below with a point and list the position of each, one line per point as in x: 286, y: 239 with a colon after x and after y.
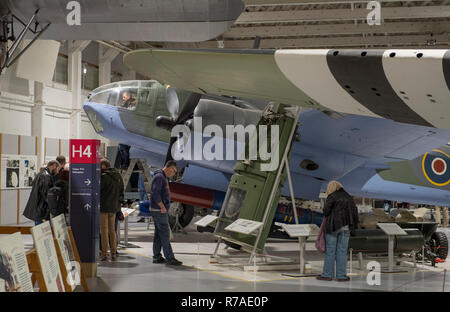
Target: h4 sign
x: 84, y: 151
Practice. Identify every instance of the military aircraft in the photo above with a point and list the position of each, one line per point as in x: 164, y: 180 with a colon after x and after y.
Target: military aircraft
x: 373, y: 157
x: 369, y: 120
x: 146, y: 20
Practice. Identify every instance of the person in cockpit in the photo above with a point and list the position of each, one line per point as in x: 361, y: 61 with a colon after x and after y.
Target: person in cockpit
x: 128, y: 101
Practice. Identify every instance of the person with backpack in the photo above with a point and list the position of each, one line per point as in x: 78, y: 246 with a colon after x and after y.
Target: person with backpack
x: 37, y: 208
x: 58, y: 196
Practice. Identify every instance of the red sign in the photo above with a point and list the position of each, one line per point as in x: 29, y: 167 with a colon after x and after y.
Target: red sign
x: 84, y: 151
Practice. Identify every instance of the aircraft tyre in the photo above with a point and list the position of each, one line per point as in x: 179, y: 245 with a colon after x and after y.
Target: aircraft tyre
x: 439, y: 244
x: 185, y: 212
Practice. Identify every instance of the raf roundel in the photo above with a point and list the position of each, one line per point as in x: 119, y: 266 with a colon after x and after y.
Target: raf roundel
x: 435, y: 167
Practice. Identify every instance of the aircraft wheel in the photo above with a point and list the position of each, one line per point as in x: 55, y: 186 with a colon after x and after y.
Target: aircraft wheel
x: 185, y: 214
x: 439, y: 244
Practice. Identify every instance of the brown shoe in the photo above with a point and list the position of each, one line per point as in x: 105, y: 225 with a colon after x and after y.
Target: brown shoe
x: 343, y: 279
x: 321, y: 278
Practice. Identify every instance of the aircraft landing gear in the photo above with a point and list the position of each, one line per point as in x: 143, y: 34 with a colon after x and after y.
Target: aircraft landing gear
x: 180, y: 215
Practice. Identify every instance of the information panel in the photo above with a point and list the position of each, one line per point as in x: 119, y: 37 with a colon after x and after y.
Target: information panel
x: 18, y: 171
x: 205, y: 221
x: 299, y: 230
x: 391, y: 229
x: 244, y: 226
x: 45, y: 248
x: 14, y: 273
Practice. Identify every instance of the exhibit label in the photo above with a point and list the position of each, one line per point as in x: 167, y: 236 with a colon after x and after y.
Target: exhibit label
x: 45, y: 248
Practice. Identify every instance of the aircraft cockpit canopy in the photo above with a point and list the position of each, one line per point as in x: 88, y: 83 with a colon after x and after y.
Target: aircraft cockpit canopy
x: 126, y: 94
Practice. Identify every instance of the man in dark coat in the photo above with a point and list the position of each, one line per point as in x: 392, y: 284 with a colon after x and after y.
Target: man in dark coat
x: 111, y: 190
x: 37, y: 205
x: 341, y: 219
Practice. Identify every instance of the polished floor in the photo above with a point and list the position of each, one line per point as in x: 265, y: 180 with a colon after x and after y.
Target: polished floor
x: 134, y: 271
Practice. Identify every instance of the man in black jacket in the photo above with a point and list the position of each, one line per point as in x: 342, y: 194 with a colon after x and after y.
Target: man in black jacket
x: 341, y: 219
x: 37, y: 205
x: 159, y: 205
x: 111, y: 190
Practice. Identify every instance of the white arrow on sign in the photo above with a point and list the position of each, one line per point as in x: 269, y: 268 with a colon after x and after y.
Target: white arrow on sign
x: 88, y: 182
x: 87, y: 207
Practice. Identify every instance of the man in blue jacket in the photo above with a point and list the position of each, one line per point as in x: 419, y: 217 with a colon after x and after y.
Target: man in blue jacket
x: 159, y: 205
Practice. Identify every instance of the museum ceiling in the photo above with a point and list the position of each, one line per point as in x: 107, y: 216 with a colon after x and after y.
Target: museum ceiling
x: 277, y: 24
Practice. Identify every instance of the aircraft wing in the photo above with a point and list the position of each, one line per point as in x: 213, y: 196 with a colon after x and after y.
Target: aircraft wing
x: 409, y: 86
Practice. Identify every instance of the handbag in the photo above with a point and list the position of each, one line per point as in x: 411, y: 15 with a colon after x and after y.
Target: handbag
x: 320, y: 241
x: 120, y: 216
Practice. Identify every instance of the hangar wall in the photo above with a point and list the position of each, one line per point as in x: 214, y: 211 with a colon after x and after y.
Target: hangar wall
x: 46, y: 110
x: 13, y: 199
x: 37, y: 119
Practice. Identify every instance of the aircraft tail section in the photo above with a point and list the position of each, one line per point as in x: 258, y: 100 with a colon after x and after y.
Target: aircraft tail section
x: 429, y: 170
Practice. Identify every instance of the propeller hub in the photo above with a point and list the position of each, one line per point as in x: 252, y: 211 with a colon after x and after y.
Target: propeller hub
x: 165, y: 122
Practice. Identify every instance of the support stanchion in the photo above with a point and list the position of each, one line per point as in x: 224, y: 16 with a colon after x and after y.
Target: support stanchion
x: 361, y: 261
x: 351, y: 261
x: 423, y: 255
x: 443, y: 285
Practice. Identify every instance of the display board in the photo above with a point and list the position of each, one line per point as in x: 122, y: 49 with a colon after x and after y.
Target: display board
x: 64, y: 244
x: 299, y: 230
x: 18, y: 171
x: 45, y: 248
x: 14, y: 273
x: 391, y: 229
x: 127, y: 211
x: 205, y: 221
x: 244, y: 226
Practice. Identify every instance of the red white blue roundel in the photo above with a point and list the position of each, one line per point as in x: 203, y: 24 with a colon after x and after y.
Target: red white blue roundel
x: 435, y: 166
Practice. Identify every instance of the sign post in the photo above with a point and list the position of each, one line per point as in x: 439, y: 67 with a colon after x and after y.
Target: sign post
x: 85, y: 201
x: 302, y: 231
x: 392, y: 230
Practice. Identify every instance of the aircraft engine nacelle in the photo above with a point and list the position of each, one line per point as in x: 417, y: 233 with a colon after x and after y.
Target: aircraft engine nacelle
x: 223, y: 114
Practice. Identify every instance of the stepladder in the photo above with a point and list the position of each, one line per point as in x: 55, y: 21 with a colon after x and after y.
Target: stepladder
x: 142, y: 168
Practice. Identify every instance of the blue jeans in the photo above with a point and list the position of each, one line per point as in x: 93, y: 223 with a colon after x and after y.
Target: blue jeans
x: 336, y: 251
x: 161, y: 237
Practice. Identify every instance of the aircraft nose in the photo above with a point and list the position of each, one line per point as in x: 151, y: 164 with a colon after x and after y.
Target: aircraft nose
x: 96, y: 116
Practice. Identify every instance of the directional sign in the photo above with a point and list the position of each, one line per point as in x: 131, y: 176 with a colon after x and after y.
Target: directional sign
x: 84, y: 151
x: 85, y: 197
